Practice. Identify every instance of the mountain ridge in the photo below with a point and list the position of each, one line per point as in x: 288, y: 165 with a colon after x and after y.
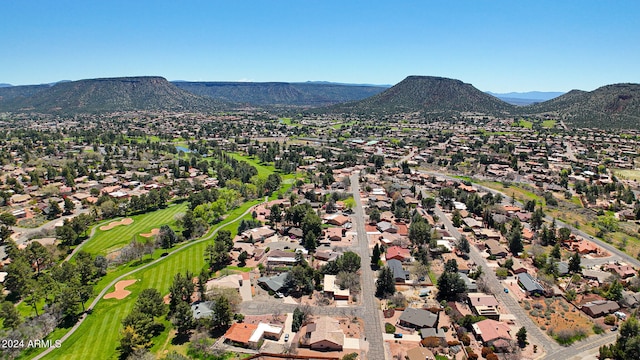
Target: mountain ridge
x: 428, y: 94
x: 109, y: 95
x: 307, y: 94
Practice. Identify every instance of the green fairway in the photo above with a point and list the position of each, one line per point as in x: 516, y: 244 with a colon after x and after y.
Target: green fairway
x: 547, y: 124
x: 104, y: 242
x: 263, y: 170
x: 100, y: 332
x: 628, y: 174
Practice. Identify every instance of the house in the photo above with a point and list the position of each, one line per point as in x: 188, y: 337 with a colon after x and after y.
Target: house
x: 326, y: 255
x: 385, y: 226
x: 629, y: 299
x: 273, y: 283
x: 332, y: 289
x: 584, y: 247
x: 240, y: 333
x: 202, y: 309
x: 399, y: 274
x: 398, y: 253
x: 484, y: 305
x: 296, y: 232
x: 324, y: 334
x: 258, y: 234
x: 336, y: 219
x: 472, y: 223
x: 420, y: 353
x: 434, y: 333
x: 599, y: 276
x: 468, y: 282
x: 518, y: 267
x: 334, y: 234
x: 529, y: 284
x: 20, y: 198
x: 492, y: 333
x: 494, y: 248
x: 266, y: 331
x: 281, y: 258
x: 600, y: 307
x: 418, y: 319
x: 624, y: 271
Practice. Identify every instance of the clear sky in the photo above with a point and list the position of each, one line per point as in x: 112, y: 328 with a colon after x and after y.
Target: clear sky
x: 496, y: 45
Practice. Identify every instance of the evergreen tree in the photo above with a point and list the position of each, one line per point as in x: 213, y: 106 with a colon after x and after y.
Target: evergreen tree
x: 375, y: 259
x: 463, y: 245
x: 574, y: 263
x: 521, y: 335
x: 182, y: 319
x: 386, y: 284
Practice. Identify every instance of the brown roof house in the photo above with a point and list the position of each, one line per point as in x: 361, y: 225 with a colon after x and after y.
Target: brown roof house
x: 600, y: 307
x: 324, y: 334
x: 418, y: 319
x: 494, y: 248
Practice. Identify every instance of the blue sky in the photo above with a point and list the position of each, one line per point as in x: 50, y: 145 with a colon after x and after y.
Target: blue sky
x: 498, y: 46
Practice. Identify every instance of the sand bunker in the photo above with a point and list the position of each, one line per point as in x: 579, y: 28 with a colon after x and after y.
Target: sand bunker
x: 120, y: 292
x: 153, y: 232
x: 127, y: 221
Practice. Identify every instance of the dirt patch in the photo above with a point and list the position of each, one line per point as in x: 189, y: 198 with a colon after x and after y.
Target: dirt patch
x: 557, y: 315
x: 111, y: 225
x: 153, y: 232
x: 120, y: 292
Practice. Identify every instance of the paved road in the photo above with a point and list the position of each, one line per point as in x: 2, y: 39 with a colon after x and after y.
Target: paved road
x: 587, y: 346
x: 496, y: 288
x: 371, y: 316
x: 108, y: 287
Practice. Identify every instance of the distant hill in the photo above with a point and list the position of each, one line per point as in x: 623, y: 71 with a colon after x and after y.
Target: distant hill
x: 308, y: 94
x: 525, y: 98
x: 108, y: 95
x: 610, y: 106
x: 430, y: 95
x: 23, y: 91
x: 5, y: 85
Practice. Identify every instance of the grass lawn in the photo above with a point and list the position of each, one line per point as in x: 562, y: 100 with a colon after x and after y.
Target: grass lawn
x: 514, y: 191
x: 627, y: 174
x: 104, y: 242
x: 548, y: 124
x: 263, y: 170
x: 523, y: 123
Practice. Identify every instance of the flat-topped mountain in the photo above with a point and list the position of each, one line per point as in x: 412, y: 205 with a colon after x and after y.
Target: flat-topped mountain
x: 281, y: 93
x: 616, y: 105
x: 428, y: 94
x: 110, y: 94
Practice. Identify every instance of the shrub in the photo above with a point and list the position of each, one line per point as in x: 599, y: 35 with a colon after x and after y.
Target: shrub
x: 597, y: 329
x: 465, y: 339
x: 492, y: 356
x: 389, y: 328
x: 568, y: 337
x: 351, y: 356
x: 453, y: 342
x: 610, y: 319
x: 431, y: 342
x: 486, y: 351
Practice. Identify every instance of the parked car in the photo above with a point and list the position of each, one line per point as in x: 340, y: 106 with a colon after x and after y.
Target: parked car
x: 397, y: 335
x: 614, y: 328
x: 286, y: 337
x: 506, y: 290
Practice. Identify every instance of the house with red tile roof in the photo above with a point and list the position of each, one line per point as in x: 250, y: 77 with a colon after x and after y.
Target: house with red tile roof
x: 240, y: 333
x: 398, y: 253
x: 492, y: 333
